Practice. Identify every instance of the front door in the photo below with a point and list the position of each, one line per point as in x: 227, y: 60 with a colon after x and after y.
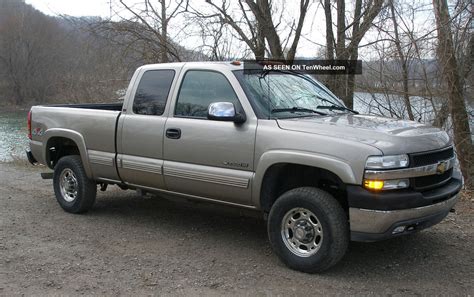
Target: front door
x: 205, y: 158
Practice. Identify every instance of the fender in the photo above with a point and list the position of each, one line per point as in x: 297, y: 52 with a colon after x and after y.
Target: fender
x: 337, y: 166
x: 74, y: 136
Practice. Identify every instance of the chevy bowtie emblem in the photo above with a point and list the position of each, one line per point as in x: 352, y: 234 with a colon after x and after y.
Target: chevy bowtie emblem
x: 441, y: 167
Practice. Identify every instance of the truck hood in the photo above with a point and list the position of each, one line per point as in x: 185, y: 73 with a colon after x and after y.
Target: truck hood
x: 389, y: 135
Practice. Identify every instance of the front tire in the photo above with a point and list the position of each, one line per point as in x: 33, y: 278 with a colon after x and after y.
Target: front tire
x: 308, y: 229
x: 74, y: 191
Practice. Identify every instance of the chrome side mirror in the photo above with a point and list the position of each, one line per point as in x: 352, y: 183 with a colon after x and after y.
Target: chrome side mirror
x: 224, y: 111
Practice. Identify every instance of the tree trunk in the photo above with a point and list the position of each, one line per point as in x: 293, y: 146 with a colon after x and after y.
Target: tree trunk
x: 164, y: 33
x: 341, y: 28
x: 329, y: 32
x: 270, y: 32
x: 457, y: 107
x: 403, y: 62
x: 260, y: 42
x: 343, y: 85
x: 338, y: 83
x: 330, y: 80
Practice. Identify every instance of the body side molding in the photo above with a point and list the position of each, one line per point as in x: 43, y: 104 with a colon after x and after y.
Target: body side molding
x: 208, y: 174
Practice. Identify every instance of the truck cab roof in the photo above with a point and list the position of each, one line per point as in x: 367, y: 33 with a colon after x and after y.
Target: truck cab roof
x: 232, y: 65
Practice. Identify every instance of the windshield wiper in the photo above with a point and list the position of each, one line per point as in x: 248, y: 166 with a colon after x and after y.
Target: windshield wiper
x: 296, y: 109
x: 336, y: 107
x: 332, y: 106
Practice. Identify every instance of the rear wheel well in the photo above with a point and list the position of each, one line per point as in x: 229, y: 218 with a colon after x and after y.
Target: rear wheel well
x: 280, y: 178
x: 58, y: 147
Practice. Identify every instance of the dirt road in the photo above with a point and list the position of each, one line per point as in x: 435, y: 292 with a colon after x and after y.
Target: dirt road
x: 129, y: 245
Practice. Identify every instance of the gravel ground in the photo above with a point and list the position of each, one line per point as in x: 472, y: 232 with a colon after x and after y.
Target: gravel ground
x: 130, y: 245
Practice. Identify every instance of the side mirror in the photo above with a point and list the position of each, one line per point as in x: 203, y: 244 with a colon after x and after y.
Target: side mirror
x: 224, y: 111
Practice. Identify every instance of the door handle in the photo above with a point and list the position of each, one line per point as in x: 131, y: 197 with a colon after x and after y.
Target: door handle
x: 173, y: 133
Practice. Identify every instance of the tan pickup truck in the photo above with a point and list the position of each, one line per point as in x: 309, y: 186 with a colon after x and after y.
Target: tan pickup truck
x: 274, y: 141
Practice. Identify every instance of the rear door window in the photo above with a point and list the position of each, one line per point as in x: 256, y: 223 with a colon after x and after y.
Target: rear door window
x: 152, y: 92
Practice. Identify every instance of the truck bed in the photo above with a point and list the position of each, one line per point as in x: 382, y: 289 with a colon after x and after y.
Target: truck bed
x: 94, y: 124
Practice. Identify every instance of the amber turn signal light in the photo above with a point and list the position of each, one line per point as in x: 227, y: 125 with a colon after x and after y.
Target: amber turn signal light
x: 373, y: 184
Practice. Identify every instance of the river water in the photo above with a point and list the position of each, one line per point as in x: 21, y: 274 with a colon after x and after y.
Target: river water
x: 13, y: 135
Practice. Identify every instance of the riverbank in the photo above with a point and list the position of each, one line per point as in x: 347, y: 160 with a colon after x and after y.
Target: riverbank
x: 13, y: 135
x: 14, y: 108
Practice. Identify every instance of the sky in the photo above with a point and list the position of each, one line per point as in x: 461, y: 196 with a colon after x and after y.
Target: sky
x: 72, y: 7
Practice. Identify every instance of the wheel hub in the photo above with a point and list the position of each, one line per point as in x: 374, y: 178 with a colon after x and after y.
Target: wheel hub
x: 304, y: 232
x: 301, y: 232
x: 68, y: 185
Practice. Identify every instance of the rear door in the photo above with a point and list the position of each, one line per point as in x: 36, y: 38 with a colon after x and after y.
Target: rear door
x: 210, y: 159
x: 141, y: 128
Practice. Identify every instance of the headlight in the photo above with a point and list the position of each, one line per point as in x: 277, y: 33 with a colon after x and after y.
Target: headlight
x: 387, y: 162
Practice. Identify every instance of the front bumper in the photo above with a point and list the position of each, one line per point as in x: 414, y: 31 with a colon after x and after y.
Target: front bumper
x: 376, y: 216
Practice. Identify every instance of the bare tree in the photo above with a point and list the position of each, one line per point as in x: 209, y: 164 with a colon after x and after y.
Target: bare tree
x: 145, y: 28
x: 402, y: 59
x: 256, y: 26
x: 27, y: 52
x: 344, y: 46
x: 404, y: 48
x: 457, y: 107
x: 48, y: 59
x: 218, y: 43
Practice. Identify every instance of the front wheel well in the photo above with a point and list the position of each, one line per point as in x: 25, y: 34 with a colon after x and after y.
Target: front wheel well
x: 282, y: 177
x: 58, y: 147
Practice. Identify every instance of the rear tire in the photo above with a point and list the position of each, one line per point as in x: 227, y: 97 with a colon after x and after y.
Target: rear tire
x: 308, y: 229
x: 74, y: 191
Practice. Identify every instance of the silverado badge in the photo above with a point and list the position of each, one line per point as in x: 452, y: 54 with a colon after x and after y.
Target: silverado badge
x: 236, y: 164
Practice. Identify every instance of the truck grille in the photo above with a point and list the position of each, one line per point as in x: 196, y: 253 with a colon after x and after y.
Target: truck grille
x: 431, y: 181
x: 422, y: 159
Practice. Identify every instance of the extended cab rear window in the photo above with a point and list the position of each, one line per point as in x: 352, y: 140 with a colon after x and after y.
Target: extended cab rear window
x: 152, y: 92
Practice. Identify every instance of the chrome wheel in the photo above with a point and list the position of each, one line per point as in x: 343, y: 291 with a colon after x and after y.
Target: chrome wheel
x: 68, y: 185
x: 301, y: 232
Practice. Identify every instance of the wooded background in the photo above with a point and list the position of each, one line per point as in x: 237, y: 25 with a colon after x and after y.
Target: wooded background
x: 417, y: 55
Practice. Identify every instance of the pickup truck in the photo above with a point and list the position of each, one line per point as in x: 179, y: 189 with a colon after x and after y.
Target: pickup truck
x: 274, y: 141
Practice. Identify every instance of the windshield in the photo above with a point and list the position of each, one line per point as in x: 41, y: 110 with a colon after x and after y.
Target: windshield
x: 278, y: 94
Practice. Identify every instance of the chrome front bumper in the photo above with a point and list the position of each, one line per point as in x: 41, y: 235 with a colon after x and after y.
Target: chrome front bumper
x: 372, y: 225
